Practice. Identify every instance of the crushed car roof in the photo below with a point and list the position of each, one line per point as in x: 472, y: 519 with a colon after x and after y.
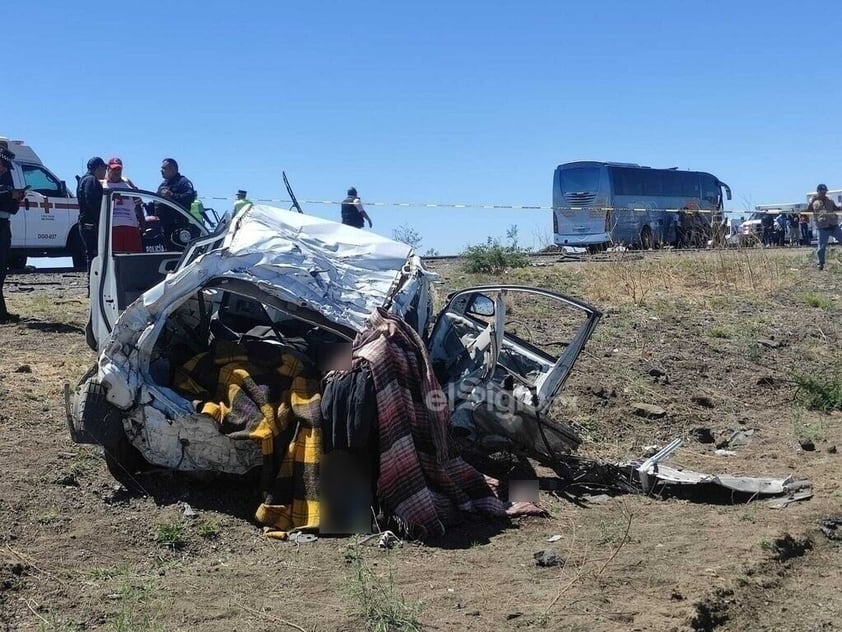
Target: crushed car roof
x: 340, y: 271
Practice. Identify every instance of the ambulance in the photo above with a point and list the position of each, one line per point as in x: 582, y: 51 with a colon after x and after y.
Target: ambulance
x: 46, y: 223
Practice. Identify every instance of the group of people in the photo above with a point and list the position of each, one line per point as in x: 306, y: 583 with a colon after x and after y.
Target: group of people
x: 129, y: 217
x: 785, y: 228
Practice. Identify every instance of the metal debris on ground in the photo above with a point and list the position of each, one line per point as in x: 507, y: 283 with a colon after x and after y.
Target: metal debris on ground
x: 547, y: 558
x: 299, y: 537
x: 652, y: 474
x: 388, y: 540
x: 831, y: 527
x: 738, y: 439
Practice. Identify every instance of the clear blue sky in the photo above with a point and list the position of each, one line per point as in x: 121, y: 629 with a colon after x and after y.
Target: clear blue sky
x: 438, y: 102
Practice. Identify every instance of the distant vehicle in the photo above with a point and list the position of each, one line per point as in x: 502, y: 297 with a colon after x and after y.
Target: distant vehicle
x: 599, y: 203
x: 751, y: 230
x: 45, y: 225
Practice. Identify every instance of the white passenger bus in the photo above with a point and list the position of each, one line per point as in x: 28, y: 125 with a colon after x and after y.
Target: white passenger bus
x: 600, y: 203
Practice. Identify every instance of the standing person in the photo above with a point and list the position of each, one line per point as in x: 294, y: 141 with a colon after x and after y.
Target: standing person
x: 242, y: 200
x: 9, y: 204
x: 767, y: 223
x: 794, y: 230
x: 804, y: 225
x: 827, y: 221
x: 353, y: 213
x: 175, y: 186
x: 125, y: 216
x: 89, y: 195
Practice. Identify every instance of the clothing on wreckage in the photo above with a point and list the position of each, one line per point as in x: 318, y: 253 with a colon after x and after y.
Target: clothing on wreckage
x: 265, y: 393
x: 420, y: 481
x: 349, y: 409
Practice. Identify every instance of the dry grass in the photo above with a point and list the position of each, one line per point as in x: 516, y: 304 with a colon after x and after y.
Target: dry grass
x: 631, y: 279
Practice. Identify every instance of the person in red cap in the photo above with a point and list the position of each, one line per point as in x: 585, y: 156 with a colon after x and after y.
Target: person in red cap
x: 125, y: 211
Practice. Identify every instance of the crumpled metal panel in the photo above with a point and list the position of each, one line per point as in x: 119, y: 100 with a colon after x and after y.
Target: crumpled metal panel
x: 341, y: 272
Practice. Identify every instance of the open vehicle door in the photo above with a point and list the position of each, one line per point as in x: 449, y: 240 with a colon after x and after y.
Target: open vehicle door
x: 118, y: 278
x: 501, y: 354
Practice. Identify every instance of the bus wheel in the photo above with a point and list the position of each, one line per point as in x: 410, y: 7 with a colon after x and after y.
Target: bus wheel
x: 647, y: 242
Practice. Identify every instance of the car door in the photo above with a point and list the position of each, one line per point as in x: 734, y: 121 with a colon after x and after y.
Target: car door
x: 501, y: 354
x: 47, y: 213
x: 118, y: 278
x: 513, y: 336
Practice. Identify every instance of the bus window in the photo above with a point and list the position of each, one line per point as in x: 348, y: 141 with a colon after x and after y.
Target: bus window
x: 580, y: 180
x: 710, y: 190
x: 689, y: 185
x: 626, y: 181
x: 652, y: 184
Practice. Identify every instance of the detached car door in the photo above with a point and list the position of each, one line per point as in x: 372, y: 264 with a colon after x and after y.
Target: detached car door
x: 117, y: 279
x: 501, y: 354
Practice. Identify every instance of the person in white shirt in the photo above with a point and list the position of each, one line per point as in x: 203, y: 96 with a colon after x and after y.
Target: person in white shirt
x: 125, y: 218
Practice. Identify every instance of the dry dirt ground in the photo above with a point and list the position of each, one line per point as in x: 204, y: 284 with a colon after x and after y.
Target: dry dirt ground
x: 729, y: 333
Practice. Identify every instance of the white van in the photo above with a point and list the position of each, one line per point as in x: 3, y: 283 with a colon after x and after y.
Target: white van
x: 45, y: 225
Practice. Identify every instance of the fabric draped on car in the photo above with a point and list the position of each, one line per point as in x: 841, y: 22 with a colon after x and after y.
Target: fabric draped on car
x: 422, y: 483
x: 266, y: 393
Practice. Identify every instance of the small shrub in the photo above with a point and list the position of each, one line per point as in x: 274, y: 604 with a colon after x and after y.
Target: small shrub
x: 720, y: 332
x: 493, y: 257
x: 408, y: 235
x: 377, y: 601
x: 169, y: 535
x: 818, y: 301
x: 209, y: 529
x: 821, y: 392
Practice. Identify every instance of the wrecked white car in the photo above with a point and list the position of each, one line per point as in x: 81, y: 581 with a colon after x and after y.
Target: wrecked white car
x: 307, y: 287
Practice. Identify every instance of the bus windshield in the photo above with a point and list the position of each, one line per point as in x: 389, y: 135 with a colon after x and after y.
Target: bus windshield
x: 580, y: 180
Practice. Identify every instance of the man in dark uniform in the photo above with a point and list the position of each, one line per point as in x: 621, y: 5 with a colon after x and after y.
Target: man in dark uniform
x: 9, y: 203
x: 353, y: 213
x: 175, y: 186
x: 89, y: 194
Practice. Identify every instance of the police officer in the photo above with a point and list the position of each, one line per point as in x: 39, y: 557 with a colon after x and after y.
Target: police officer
x: 89, y: 194
x: 9, y: 203
x: 242, y: 200
x: 353, y: 213
x: 175, y: 186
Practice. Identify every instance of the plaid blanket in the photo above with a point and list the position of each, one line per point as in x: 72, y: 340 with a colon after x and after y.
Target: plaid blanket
x: 421, y: 482
x: 265, y: 393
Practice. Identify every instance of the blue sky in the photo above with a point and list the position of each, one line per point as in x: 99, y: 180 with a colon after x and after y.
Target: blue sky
x: 472, y: 102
